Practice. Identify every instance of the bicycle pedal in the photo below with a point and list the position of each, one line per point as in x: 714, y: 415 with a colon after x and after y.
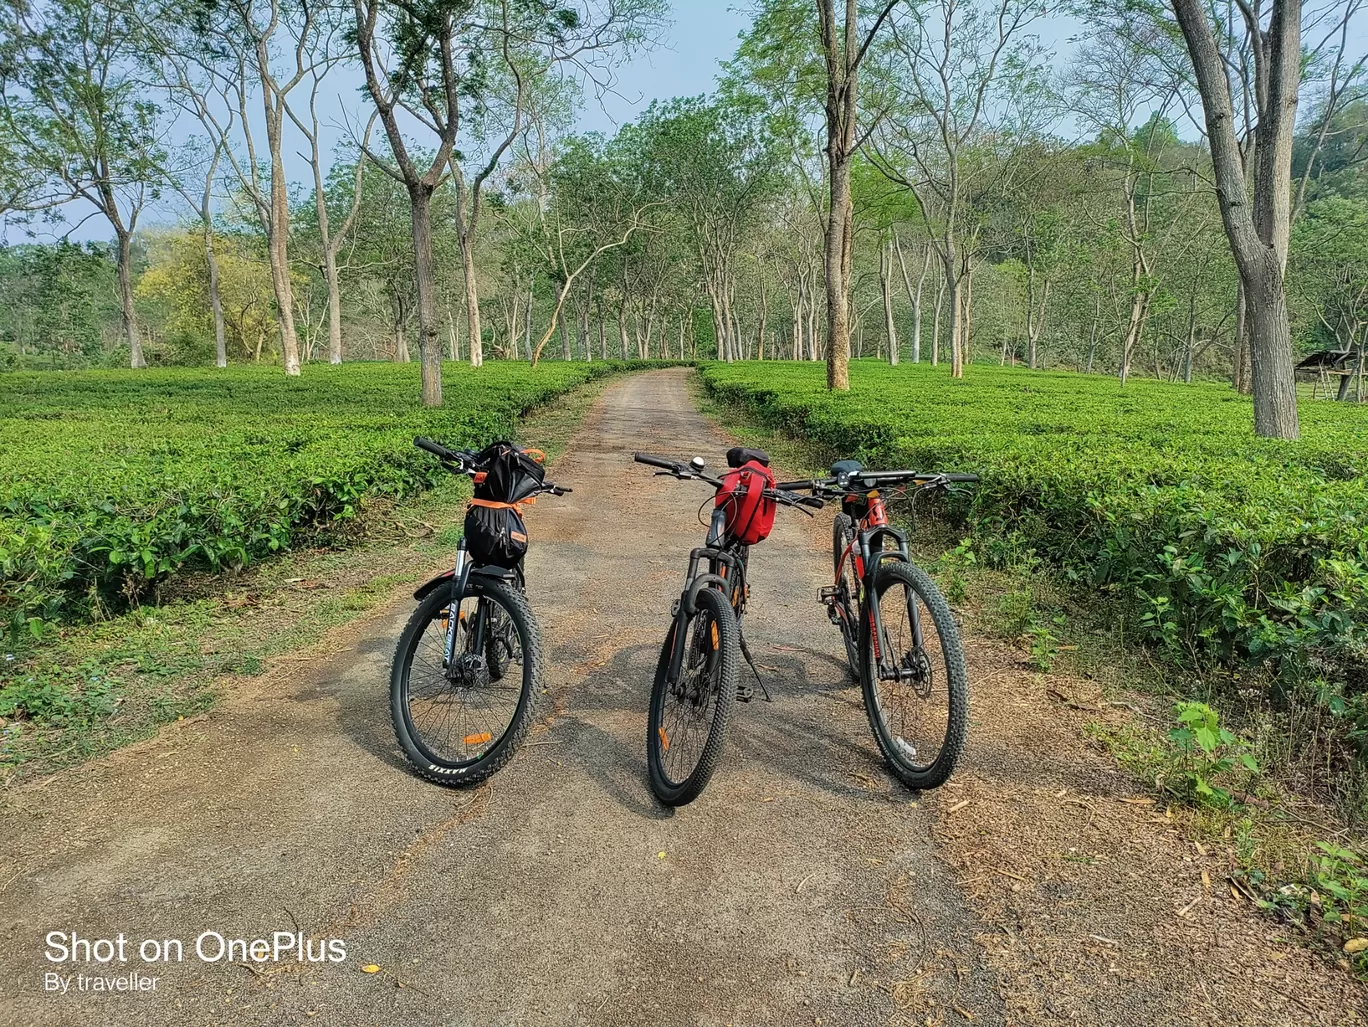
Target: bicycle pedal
x: 830, y: 595
x: 744, y: 693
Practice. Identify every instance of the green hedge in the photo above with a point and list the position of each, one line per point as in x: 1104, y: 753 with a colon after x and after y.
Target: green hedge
x: 1229, y: 546
x: 112, y: 480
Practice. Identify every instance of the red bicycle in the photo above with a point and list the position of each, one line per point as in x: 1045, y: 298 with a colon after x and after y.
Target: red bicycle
x: 901, y: 640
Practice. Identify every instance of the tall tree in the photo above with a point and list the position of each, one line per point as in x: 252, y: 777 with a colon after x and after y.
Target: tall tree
x: 1257, y: 215
x: 844, y: 46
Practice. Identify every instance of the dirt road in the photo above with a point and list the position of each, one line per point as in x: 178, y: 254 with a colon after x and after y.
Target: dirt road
x: 800, y: 889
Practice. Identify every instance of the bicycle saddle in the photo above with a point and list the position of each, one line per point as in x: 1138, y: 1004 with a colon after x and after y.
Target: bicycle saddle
x: 738, y: 456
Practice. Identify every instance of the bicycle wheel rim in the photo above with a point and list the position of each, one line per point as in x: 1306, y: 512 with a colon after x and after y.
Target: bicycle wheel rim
x: 457, y: 717
x: 913, y: 714
x: 684, y: 712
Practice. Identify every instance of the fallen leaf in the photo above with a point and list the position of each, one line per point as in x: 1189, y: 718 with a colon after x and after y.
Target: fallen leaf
x: 1356, y: 945
x: 370, y: 968
x: 660, y: 855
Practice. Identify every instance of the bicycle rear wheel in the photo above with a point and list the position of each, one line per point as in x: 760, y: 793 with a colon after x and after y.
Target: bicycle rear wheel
x: 687, y: 724
x: 460, y: 720
x: 918, y: 706
x: 847, y: 589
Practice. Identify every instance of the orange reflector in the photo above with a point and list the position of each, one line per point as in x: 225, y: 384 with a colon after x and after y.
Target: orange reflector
x: 478, y: 739
x: 714, y: 634
x: 664, y: 739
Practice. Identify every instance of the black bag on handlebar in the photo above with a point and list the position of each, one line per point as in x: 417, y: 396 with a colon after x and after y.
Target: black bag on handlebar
x: 494, y: 529
x: 510, y: 473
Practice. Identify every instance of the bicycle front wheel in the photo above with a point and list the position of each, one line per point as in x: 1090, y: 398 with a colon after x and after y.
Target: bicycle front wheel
x: 688, y: 719
x: 913, y: 675
x: 459, y: 719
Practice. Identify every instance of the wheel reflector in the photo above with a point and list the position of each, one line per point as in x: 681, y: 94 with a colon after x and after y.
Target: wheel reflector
x: 478, y: 739
x: 664, y: 739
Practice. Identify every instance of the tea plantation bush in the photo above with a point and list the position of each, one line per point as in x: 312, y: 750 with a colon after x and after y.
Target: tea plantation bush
x: 1229, y: 547
x: 111, y: 481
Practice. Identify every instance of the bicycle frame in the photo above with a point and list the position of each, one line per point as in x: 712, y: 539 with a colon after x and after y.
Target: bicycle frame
x: 865, y: 553
x: 725, y: 567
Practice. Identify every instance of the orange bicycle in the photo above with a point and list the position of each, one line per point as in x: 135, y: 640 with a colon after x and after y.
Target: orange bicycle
x: 901, y: 640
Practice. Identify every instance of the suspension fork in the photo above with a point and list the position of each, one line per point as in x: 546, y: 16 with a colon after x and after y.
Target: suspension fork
x: 721, y: 566
x: 459, y: 581
x: 885, y: 668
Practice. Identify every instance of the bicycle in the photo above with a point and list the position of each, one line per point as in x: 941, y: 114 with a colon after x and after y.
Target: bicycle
x: 459, y: 708
x: 898, y: 630
x: 696, y: 677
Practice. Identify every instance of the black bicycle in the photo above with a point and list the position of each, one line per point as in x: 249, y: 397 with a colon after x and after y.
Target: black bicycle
x: 901, y: 640
x: 468, y: 668
x: 696, y: 677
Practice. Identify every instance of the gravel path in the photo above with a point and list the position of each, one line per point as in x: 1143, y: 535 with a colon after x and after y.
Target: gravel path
x: 801, y: 888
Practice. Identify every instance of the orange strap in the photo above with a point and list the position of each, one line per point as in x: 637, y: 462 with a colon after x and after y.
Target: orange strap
x: 492, y: 505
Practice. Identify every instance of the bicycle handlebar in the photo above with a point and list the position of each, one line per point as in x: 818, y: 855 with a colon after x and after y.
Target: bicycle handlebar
x: 780, y: 493
x: 871, y: 479
x: 440, y: 451
x: 655, y: 461
x: 465, y: 462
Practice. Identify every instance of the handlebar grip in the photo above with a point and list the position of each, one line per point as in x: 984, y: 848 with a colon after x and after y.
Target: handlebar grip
x: 962, y: 477
x: 436, y: 449
x: 789, y: 486
x: 812, y: 501
x: 655, y: 461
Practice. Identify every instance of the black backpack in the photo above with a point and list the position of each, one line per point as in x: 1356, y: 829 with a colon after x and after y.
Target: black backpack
x: 494, y: 529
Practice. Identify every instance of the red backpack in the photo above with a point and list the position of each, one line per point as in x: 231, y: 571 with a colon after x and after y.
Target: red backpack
x: 750, y: 514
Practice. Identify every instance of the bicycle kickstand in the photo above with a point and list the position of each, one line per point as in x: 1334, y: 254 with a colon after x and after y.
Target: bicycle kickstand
x: 745, y: 692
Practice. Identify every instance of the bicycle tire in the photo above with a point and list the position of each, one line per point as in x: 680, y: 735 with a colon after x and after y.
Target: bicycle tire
x: 426, y: 761
x: 842, y: 535
x: 891, y: 742
x: 712, y: 609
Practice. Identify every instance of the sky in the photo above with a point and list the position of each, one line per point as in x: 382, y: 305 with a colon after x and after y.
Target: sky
x: 702, y: 34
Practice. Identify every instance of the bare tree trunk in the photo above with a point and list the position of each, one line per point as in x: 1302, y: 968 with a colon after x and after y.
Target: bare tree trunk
x: 127, y: 317
x: 1035, y: 325
x: 1092, y: 336
x: 472, y: 301
x: 837, y: 291
x: 914, y: 295
x: 954, y: 295
x: 886, y: 283
x: 429, y: 349
x: 1241, y: 372
x: 935, y: 325
x: 215, y: 298
x: 278, y: 246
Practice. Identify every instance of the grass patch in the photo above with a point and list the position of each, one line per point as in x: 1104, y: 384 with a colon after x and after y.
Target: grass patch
x: 86, y: 688
x: 114, y: 483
